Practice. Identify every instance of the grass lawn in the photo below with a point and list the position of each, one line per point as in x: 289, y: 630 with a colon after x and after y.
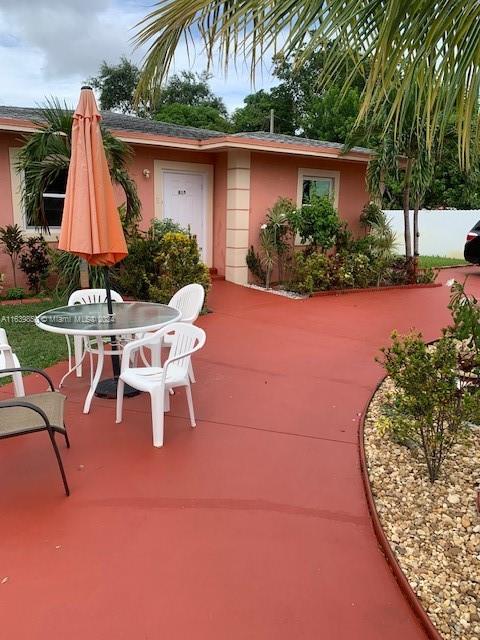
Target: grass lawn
x: 34, y: 347
x: 438, y: 261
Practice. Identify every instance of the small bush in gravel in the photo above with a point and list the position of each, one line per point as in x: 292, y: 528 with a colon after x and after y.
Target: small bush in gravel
x: 466, y: 323
x: 429, y: 407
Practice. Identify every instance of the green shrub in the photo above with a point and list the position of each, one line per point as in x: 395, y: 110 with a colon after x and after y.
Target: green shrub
x: 428, y: 408
x: 311, y: 272
x: 35, y: 262
x: 355, y: 270
x: 138, y: 271
x: 254, y: 264
x: 317, y: 223
x: 177, y: 264
x: 15, y: 293
x: 465, y: 311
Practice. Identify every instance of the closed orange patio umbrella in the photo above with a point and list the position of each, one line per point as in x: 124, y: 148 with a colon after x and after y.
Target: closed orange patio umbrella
x: 91, y: 226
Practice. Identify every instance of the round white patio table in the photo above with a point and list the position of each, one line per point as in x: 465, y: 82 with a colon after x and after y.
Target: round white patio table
x: 93, y: 321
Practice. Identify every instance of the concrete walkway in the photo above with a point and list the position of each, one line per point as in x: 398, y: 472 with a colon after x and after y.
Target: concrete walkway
x: 253, y: 526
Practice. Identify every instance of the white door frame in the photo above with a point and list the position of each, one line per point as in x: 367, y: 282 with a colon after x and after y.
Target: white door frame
x: 205, y: 170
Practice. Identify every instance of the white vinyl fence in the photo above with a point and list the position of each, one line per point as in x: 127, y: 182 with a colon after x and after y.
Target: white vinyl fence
x: 442, y: 232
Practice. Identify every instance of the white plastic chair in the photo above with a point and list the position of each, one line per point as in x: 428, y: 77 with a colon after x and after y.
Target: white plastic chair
x: 81, y: 344
x: 8, y: 360
x: 158, y: 381
x: 189, y: 301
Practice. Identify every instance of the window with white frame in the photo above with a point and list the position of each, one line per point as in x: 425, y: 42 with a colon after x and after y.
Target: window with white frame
x: 320, y: 182
x: 316, y: 186
x: 53, y: 201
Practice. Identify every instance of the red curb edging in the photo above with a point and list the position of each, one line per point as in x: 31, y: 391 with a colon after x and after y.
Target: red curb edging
x: 400, y: 577
x: 336, y: 292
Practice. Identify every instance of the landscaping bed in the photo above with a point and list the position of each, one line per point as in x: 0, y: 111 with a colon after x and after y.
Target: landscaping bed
x: 433, y: 528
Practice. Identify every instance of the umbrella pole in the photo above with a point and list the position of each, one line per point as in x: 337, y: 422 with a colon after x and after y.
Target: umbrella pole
x: 113, y: 340
x: 108, y: 388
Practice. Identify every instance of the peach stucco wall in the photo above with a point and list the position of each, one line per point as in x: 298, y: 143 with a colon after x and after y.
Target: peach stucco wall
x: 272, y: 175
x: 7, y: 141
x: 275, y: 175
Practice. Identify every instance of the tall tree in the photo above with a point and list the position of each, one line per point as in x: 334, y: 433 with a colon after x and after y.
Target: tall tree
x: 189, y: 88
x: 255, y: 114
x: 202, y: 116
x: 436, y: 45
x: 116, y: 85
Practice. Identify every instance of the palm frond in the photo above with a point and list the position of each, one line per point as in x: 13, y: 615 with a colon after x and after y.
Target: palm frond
x: 414, y: 49
x: 45, y: 155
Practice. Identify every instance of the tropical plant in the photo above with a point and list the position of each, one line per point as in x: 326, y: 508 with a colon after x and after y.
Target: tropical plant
x: 45, y: 156
x: 35, y: 262
x: 12, y: 240
x: 268, y: 252
x: 254, y: 263
x: 278, y: 222
x: 66, y: 266
x: 420, y: 46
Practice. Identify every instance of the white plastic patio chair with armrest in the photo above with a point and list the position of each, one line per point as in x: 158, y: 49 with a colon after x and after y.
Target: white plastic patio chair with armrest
x: 189, y: 301
x: 186, y: 339
x: 81, y: 344
x: 9, y: 360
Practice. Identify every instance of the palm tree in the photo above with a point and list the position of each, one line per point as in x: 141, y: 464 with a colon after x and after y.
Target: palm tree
x: 431, y: 49
x: 45, y: 156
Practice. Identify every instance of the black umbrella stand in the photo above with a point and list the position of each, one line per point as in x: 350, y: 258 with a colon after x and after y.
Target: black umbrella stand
x: 108, y: 388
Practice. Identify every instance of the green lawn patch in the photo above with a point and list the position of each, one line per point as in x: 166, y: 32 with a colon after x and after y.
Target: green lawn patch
x: 34, y: 347
x: 438, y: 261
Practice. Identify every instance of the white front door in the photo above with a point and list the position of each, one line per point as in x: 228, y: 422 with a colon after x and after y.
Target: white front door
x: 184, y: 202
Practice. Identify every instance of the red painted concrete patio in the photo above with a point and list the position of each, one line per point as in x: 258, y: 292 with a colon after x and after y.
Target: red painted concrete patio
x: 254, y: 525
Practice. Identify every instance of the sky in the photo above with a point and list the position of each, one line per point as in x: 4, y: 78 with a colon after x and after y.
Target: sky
x: 49, y: 48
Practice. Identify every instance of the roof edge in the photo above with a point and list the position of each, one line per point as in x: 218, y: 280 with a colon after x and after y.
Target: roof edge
x: 216, y: 143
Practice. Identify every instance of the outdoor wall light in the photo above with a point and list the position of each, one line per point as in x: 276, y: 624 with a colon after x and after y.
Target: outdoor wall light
x: 146, y: 173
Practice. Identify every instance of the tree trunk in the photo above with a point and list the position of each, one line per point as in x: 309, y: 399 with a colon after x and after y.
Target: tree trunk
x: 14, y: 271
x: 416, y: 235
x: 406, y: 211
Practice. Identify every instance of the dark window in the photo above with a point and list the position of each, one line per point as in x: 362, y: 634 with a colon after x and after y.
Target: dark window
x: 53, y: 201
x: 316, y: 186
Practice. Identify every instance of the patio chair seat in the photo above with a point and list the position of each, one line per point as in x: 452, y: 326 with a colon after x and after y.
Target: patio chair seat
x: 144, y: 378
x: 18, y: 420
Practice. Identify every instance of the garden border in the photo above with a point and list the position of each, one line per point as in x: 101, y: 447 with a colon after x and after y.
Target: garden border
x: 12, y: 303
x: 385, y: 547
x: 390, y: 287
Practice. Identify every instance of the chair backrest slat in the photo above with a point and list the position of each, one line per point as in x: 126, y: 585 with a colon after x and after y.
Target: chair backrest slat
x: 189, y: 301
x: 92, y: 296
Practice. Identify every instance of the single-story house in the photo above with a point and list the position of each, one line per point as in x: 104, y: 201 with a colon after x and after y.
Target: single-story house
x: 221, y: 185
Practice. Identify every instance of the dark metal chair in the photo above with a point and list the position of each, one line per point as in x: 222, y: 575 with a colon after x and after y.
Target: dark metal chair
x: 35, y: 412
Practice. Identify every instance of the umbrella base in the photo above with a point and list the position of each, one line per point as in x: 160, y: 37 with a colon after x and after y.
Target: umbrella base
x: 108, y: 389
